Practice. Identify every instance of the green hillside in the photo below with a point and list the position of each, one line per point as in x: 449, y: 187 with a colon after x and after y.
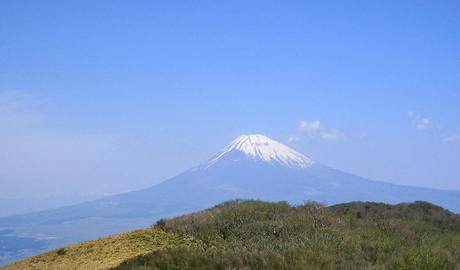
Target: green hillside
x: 261, y: 235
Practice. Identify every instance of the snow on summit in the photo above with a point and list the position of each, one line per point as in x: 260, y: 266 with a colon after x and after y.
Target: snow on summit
x: 262, y: 148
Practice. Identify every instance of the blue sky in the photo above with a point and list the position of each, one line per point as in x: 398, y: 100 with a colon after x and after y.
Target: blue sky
x: 99, y: 97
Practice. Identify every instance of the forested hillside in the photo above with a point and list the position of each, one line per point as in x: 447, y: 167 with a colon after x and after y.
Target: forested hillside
x: 260, y: 235
x: 263, y: 235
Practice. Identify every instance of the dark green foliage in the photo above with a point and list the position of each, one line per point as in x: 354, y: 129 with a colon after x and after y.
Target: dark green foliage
x: 60, y: 251
x: 260, y: 235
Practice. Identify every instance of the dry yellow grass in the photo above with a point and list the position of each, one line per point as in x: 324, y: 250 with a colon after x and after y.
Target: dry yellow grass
x: 104, y: 253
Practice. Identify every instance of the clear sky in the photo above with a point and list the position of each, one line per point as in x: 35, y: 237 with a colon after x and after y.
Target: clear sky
x: 100, y: 97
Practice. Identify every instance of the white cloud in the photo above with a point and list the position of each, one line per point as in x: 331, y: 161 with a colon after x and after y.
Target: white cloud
x: 424, y: 123
x: 420, y: 122
x: 452, y: 138
x: 314, y: 129
x: 310, y: 126
x: 292, y: 139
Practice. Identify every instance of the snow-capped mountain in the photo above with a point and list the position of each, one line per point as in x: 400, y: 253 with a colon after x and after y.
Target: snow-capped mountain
x: 261, y: 148
x: 251, y: 167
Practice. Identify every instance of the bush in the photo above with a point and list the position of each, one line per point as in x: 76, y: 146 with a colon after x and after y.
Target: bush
x: 61, y: 251
x: 261, y: 235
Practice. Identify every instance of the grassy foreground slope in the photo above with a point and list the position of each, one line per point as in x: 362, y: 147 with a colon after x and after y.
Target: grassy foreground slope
x: 259, y: 235
x: 105, y: 253
x: 248, y: 235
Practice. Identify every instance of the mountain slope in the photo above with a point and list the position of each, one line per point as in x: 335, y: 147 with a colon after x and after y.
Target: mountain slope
x: 251, y: 167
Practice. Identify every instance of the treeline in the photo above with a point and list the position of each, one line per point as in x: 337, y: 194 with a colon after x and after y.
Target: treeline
x: 261, y: 235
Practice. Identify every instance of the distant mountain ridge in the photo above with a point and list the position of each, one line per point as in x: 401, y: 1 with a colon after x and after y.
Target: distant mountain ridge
x: 251, y: 167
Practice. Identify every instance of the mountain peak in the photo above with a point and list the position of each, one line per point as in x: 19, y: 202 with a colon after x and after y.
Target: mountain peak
x: 262, y: 148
